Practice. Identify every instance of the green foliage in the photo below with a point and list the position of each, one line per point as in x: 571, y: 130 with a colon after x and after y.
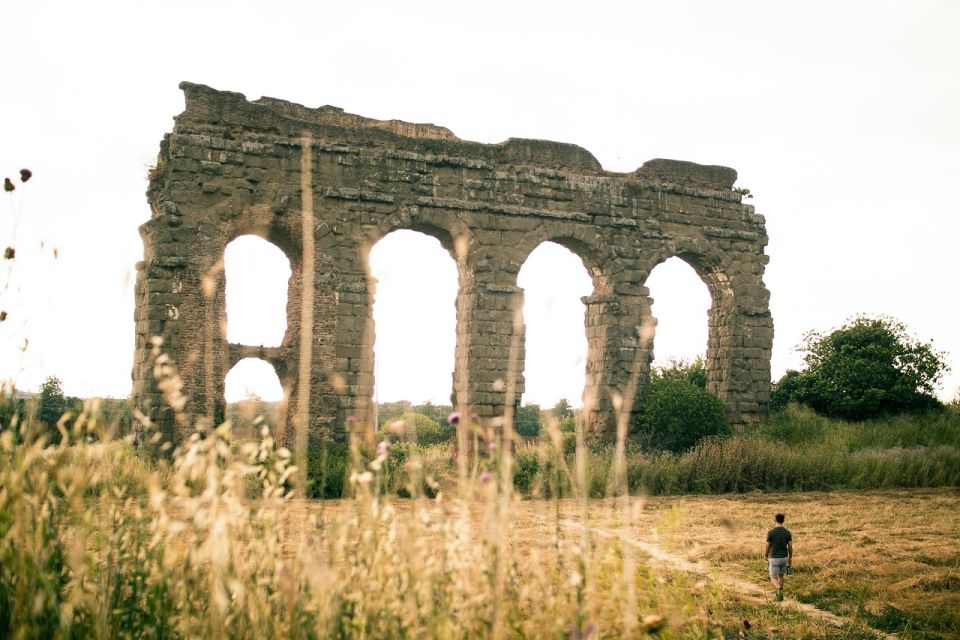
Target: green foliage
x: 409, y: 470
x: 677, y: 412
x: 387, y: 412
x: 562, y: 410
x: 694, y: 372
x: 798, y: 450
x: 867, y: 368
x: 569, y: 423
x: 527, y: 421
x: 117, y: 413
x: 327, y: 470
x: 428, y: 420
x: 564, y: 415
x: 416, y: 428
x: 436, y: 412
x: 12, y: 410
x: 52, y: 401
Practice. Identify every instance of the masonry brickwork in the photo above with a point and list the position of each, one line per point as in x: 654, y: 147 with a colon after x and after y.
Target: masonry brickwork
x: 232, y: 167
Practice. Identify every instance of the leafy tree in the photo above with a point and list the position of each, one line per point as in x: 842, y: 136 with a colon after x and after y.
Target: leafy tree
x: 565, y: 416
x: 868, y: 367
x: 436, y: 412
x: 52, y: 401
x: 389, y: 411
x: 694, y: 372
x: 562, y: 409
x: 677, y: 412
x: 527, y: 421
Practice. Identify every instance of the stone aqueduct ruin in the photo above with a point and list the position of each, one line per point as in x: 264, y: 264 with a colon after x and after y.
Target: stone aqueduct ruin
x: 324, y: 186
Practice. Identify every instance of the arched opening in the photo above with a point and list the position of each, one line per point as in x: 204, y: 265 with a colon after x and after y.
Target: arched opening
x: 257, y: 276
x: 553, y: 280
x: 415, y: 319
x: 681, y: 305
x: 252, y: 389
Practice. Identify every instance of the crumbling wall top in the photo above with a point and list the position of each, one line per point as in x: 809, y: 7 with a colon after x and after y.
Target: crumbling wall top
x: 206, y: 105
x: 685, y: 173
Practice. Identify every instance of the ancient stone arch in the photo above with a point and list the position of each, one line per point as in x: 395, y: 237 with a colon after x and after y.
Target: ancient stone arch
x: 325, y: 185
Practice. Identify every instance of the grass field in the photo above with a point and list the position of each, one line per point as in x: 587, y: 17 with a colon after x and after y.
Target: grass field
x: 99, y: 540
x: 886, y: 559
x: 882, y: 561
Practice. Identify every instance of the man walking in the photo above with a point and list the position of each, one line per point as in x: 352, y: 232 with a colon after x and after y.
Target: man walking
x: 780, y: 553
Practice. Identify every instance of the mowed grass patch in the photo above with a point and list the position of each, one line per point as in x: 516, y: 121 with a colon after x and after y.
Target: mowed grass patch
x: 886, y: 558
x: 885, y: 561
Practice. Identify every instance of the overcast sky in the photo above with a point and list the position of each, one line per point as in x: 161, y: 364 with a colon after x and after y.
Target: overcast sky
x: 840, y: 116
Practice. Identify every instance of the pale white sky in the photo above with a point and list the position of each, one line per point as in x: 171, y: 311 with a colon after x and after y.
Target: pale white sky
x: 839, y: 115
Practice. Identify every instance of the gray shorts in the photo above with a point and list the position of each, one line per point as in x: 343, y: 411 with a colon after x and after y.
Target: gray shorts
x: 778, y: 567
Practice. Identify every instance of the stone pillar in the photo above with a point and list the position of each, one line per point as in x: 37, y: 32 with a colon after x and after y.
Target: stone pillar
x: 201, y: 352
x: 619, y: 352
x: 739, y: 350
x: 354, y: 364
x: 157, y: 314
x: 323, y: 402
x: 489, y: 352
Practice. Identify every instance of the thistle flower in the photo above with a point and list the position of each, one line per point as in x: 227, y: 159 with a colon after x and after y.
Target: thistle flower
x: 486, y: 476
x: 7, y: 185
x: 454, y: 418
x: 25, y: 174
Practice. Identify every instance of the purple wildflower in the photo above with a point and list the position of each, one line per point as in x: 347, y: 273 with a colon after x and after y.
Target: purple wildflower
x: 454, y: 418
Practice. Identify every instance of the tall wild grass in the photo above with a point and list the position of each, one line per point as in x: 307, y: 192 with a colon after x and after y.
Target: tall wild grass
x: 796, y: 451
x: 99, y: 540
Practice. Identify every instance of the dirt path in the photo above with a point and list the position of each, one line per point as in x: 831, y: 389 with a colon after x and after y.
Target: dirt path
x: 747, y: 589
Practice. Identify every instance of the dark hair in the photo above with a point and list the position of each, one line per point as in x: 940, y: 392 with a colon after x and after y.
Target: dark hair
x: 779, y: 518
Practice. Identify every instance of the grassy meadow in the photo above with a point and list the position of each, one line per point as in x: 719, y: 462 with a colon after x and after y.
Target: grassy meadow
x: 100, y: 540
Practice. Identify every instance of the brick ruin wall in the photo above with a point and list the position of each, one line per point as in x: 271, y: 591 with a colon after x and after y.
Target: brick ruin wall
x: 270, y: 168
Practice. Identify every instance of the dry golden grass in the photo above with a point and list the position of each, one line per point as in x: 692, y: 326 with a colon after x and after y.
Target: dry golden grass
x: 889, y: 558
x: 884, y: 561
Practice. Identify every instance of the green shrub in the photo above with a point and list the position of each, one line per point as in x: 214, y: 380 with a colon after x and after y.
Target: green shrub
x: 677, y: 414
x: 867, y: 368
x: 410, y: 469
x: 327, y: 470
x: 418, y: 428
x: 694, y: 372
x: 527, y: 421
